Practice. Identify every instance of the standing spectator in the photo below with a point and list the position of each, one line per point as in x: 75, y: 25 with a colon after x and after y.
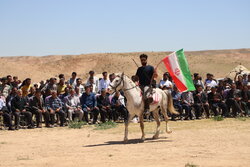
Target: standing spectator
x: 104, y: 106
x: 4, y: 88
x: 26, y: 87
x: 72, y: 80
x: 94, y: 82
x: 165, y: 82
x: 9, y: 80
x: 200, y: 102
x: 73, y: 105
x: 210, y: 82
x: 216, y: 101
x: 135, y: 79
x: 79, y: 85
x: 19, y: 107
x: 187, y: 103
x: 198, y: 80
x: 89, y: 106
x: 61, y: 87
x: 15, y: 82
x: 55, y: 106
x: 111, y: 77
x: 104, y: 82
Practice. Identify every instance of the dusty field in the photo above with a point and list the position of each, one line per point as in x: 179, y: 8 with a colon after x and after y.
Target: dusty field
x: 200, y: 142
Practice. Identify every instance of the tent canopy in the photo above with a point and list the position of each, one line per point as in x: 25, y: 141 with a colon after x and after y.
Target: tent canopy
x: 238, y: 69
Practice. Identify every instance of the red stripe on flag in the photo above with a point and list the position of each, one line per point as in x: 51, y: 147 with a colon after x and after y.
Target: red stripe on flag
x: 178, y: 83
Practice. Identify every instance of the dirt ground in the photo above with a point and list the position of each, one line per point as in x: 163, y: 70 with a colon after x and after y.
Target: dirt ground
x: 200, y: 142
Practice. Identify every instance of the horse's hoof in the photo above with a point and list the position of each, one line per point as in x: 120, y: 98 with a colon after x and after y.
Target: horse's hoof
x: 155, y: 137
x: 125, y: 141
x: 142, y: 139
x: 169, y: 131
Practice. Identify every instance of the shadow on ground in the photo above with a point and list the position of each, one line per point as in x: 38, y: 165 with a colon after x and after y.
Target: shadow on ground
x: 131, y: 141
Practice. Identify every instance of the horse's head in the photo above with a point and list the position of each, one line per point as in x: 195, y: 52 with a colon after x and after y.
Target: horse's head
x: 117, y: 83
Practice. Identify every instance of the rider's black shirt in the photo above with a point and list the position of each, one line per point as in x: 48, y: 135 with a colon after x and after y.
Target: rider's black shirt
x: 145, y: 74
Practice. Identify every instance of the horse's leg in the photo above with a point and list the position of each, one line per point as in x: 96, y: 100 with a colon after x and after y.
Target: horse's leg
x: 156, y: 117
x: 126, y: 127
x: 164, y: 112
x: 142, y: 126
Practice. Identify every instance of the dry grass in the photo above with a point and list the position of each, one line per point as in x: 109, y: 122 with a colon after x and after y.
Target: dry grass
x: 218, y: 62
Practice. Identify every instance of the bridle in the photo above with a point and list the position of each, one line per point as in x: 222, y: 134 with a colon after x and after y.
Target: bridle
x: 121, y: 82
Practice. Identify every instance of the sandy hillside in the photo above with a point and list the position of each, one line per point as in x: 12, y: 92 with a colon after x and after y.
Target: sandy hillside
x: 202, y: 143
x: 218, y: 62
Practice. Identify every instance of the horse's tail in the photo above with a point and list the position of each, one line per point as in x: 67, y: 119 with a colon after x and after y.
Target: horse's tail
x: 170, y: 105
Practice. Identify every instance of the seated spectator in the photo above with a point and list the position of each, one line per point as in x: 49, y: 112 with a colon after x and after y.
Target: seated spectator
x: 245, y: 94
x: 165, y: 82
x: 73, y: 105
x: 20, y: 106
x: 187, y: 103
x: 6, y: 114
x: 55, y: 106
x: 89, y: 106
x: 104, y: 106
x: 118, y: 107
x: 234, y: 100
x: 176, y: 94
x: 4, y: 87
x: 200, y: 103
x: 37, y: 108
x: 216, y: 101
x: 12, y: 94
x: 104, y: 82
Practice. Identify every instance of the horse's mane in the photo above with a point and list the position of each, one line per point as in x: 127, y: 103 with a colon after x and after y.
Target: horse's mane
x: 128, y: 79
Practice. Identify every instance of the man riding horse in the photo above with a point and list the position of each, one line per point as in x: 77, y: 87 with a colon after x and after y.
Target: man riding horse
x: 146, y: 74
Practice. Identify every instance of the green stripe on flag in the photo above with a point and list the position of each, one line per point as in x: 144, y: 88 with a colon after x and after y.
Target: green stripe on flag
x: 185, y: 70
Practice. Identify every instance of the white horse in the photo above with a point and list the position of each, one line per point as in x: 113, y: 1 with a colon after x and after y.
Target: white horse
x: 135, y: 104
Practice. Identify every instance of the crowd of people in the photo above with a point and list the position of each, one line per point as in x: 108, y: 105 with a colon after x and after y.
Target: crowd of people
x: 58, y: 101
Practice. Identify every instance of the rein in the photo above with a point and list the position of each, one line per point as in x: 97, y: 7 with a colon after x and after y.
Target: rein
x: 122, y: 81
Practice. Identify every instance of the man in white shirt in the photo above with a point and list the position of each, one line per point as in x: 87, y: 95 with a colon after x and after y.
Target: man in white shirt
x: 104, y: 82
x: 79, y: 85
x: 210, y: 82
x: 93, y: 80
x: 73, y: 105
x: 72, y: 80
x: 165, y: 82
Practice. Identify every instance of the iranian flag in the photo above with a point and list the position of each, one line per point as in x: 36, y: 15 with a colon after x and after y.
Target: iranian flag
x: 177, y: 66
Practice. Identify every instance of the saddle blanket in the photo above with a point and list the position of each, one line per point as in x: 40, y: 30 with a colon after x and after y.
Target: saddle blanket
x: 156, y: 98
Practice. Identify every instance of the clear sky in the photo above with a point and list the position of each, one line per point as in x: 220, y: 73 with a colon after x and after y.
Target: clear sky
x: 46, y: 27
